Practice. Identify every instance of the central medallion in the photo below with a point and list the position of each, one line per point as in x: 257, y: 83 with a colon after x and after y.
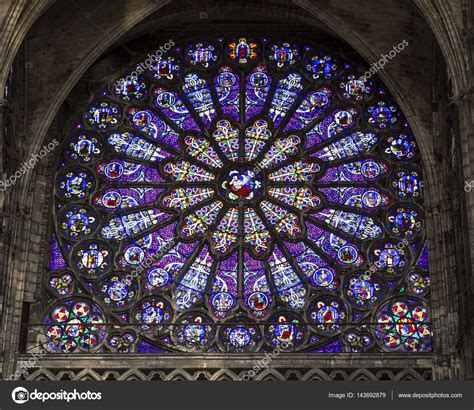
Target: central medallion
x: 241, y: 183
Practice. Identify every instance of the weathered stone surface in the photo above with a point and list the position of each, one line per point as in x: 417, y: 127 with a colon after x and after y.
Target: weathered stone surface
x: 61, y: 53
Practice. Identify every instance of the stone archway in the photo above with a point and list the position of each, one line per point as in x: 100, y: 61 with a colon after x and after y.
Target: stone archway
x: 437, y: 216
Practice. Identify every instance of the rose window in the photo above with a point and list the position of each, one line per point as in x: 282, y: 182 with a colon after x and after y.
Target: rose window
x: 239, y: 195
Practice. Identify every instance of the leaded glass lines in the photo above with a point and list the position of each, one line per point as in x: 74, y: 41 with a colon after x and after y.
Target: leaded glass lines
x: 244, y: 193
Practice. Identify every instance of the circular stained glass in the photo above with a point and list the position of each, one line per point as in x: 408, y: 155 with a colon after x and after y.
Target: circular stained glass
x: 158, y: 277
x: 239, y: 336
x: 122, y: 342
x: 117, y: 290
x: 78, y: 222
x: 256, y: 191
x: 287, y: 331
x: 419, y: 282
x: 404, y: 325
x: 84, y: 147
x: 363, y: 290
x: 74, y: 325
x: 327, y: 314
x: 61, y: 283
x: 194, y: 331
x: 150, y: 314
x: 358, y: 341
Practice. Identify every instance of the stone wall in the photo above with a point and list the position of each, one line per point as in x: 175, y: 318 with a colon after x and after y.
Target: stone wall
x: 64, y: 52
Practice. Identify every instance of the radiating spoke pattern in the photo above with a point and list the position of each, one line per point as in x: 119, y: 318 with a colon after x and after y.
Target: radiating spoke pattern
x: 242, y: 194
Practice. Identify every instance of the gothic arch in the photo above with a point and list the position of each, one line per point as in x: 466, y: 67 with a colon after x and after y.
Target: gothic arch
x: 395, y: 88
x: 223, y: 374
x: 362, y: 375
x: 132, y: 374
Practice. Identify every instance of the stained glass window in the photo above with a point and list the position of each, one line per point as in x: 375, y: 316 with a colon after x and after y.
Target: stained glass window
x: 241, y: 195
